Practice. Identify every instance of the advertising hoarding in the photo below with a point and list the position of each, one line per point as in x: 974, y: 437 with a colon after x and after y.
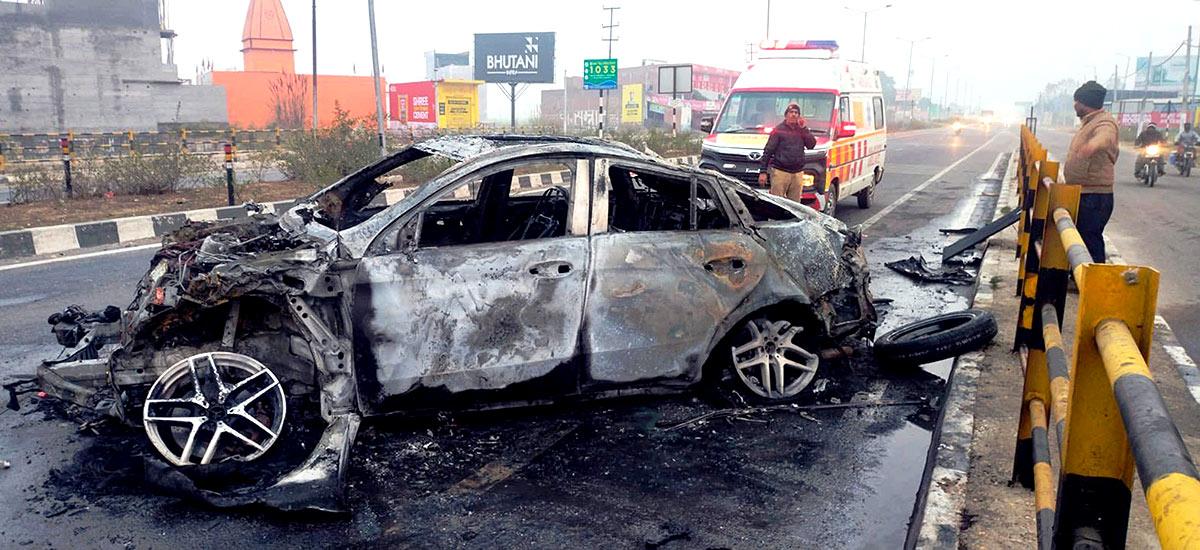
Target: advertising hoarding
x: 413, y: 102
x: 631, y: 104
x: 519, y: 57
x: 1165, y: 76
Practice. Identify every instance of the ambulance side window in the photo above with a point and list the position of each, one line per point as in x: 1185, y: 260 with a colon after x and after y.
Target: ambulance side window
x: 860, y: 118
x: 877, y: 103
x: 844, y: 109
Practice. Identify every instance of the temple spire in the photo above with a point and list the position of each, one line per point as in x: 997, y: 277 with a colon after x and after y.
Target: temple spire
x: 267, y: 38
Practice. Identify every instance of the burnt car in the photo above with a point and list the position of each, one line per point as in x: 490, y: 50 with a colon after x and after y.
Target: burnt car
x: 528, y: 270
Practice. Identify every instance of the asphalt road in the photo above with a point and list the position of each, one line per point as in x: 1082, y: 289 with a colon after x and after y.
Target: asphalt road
x: 604, y: 474
x: 1156, y: 227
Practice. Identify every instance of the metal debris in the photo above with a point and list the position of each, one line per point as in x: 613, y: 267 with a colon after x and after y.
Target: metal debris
x: 802, y: 410
x: 917, y: 268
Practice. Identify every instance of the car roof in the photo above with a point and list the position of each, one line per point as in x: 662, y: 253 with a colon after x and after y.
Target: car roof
x: 469, y: 147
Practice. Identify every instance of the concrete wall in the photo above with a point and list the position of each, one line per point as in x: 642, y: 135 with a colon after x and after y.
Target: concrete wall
x: 92, y: 65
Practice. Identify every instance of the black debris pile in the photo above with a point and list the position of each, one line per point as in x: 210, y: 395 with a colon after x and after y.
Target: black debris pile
x: 917, y: 268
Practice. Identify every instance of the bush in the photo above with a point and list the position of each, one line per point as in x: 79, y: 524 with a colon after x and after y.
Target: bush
x: 152, y: 174
x: 333, y: 153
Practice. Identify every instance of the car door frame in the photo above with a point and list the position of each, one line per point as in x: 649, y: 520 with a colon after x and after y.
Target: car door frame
x: 664, y: 369
x: 373, y: 397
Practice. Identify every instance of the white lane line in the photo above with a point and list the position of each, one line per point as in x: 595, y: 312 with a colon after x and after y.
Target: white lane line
x: 80, y: 256
x: 905, y: 197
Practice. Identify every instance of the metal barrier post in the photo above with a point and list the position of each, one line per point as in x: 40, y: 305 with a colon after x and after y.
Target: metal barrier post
x: 183, y: 140
x: 64, y: 142
x: 1097, y: 464
x: 1166, y: 470
x: 229, y: 172
x: 2, y: 160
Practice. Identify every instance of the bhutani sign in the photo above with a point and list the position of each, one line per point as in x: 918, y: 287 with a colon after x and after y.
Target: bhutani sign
x: 521, y: 57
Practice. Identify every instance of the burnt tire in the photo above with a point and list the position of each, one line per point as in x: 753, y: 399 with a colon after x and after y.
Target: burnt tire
x: 936, y: 338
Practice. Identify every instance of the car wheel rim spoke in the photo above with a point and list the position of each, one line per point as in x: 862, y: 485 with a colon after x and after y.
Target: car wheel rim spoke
x: 241, y: 418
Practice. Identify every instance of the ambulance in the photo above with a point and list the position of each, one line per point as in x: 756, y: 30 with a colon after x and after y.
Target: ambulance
x: 842, y: 101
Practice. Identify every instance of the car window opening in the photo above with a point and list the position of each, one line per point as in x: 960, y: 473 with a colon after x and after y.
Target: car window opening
x: 643, y: 201
x: 516, y: 204
x: 763, y: 210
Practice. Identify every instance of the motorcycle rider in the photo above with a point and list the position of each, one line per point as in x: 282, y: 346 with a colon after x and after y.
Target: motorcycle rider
x: 1149, y: 136
x: 1187, y: 138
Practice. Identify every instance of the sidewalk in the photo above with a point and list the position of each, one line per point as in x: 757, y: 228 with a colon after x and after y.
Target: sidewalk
x: 996, y: 513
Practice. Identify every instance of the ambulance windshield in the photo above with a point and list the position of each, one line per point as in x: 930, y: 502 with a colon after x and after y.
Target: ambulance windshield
x: 751, y: 112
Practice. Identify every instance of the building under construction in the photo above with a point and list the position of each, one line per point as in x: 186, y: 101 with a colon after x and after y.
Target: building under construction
x: 95, y: 65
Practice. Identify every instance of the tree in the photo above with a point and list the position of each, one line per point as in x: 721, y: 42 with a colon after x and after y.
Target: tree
x: 889, y: 88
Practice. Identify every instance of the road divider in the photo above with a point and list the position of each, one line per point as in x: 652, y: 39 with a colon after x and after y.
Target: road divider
x: 1106, y: 380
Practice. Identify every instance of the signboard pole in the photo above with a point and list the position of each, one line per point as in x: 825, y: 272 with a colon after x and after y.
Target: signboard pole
x: 1187, y: 103
x: 512, y: 108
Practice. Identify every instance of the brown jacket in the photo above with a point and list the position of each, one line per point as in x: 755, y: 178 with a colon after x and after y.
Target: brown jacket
x: 1093, y: 172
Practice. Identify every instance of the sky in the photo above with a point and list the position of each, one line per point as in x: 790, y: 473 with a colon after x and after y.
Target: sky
x: 994, y: 53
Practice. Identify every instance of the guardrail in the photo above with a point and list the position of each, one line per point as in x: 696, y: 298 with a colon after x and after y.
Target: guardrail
x: 1106, y: 413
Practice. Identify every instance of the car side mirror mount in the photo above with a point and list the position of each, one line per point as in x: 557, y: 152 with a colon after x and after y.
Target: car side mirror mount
x: 706, y: 124
x: 847, y: 130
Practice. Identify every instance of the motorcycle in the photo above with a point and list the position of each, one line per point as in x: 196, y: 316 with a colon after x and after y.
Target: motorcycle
x: 1185, y: 161
x: 958, y: 128
x: 1152, y: 156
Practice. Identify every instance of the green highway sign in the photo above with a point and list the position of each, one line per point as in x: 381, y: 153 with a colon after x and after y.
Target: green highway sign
x: 599, y: 74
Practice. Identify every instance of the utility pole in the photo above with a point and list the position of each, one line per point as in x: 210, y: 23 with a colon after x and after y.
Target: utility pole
x: 932, y: 67
x: 564, y: 102
x: 945, y: 95
x: 610, y: 26
x: 314, y: 78
x: 375, y: 70
x: 1145, y: 89
x: 908, y: 76
x: 767, y: 36
x: 1187, y: 76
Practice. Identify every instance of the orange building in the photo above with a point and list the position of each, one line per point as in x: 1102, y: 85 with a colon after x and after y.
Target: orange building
x: 269, y: 92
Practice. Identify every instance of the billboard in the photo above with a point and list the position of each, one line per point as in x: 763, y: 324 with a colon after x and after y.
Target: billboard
x: 631, y: 104
x: 1165, y: 76
x: 525, y: 57
x: 413, y: 103
x: 458, y: 103
x: 599, y: 74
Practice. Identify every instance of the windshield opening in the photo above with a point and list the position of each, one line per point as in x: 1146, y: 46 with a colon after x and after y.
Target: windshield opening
x: 750, y: 112
x: 359, y: 196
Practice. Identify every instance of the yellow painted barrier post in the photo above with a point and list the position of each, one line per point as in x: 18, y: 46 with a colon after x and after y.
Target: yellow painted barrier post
x: 1167, y: 472
x: 1097, y: 464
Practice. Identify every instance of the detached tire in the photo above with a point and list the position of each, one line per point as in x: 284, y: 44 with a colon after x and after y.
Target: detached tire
x: 936, y: 338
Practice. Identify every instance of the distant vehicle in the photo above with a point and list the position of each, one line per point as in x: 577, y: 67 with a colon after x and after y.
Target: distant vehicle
x: 1153, y: 154
x: 957, y: 127
x: 842, y: 101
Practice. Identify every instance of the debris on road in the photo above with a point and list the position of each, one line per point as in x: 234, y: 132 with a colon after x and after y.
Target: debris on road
x: 4, y: 464
x: 917, y: 268
x: 801, y: 410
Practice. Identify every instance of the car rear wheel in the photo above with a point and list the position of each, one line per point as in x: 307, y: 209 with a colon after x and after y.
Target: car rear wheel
x: 772, y: 360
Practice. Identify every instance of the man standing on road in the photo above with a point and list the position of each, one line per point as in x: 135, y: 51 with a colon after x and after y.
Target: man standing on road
x: 783, y: 156
x: 1091, y: 160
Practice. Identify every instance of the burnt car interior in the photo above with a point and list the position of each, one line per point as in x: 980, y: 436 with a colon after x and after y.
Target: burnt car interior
x: 645, y: 201
x: 497, y: 210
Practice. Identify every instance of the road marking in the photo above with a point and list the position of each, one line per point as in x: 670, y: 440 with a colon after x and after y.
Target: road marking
x: 905, y: 197
x: 80, y: 256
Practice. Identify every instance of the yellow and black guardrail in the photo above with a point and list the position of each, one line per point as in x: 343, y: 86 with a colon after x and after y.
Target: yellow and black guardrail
x: 1106, y: 413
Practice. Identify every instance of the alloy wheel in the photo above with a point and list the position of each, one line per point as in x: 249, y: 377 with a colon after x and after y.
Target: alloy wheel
x: 770, y: 360
x: 214, y: 407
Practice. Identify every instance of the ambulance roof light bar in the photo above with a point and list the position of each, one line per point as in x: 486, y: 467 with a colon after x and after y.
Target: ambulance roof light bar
x: 830, y: 45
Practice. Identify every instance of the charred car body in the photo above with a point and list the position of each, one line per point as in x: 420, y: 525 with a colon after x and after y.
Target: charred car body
x: 531, y: 269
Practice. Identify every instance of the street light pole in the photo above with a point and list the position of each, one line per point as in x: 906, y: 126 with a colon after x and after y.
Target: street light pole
x: 862, y: 54
x: 375, y: 71
x: 314, y: 68
x: 912, y: 44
